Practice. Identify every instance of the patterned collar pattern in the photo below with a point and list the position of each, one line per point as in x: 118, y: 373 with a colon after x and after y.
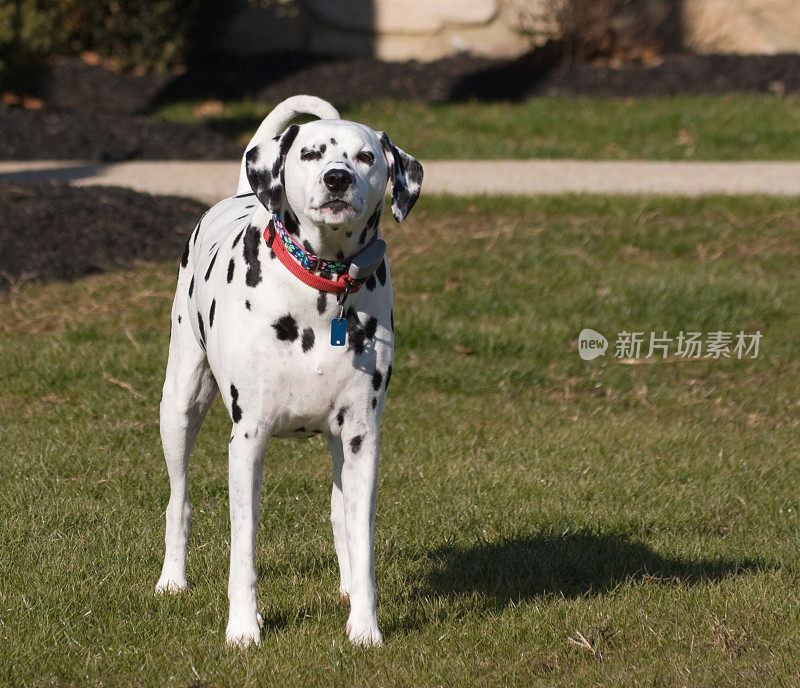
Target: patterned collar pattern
x: 308, y: 260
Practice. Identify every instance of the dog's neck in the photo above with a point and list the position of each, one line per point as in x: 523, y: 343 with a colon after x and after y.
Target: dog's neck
x: 330, y: 242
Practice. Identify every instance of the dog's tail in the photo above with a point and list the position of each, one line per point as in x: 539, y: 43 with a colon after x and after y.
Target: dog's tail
x: 277, y: 120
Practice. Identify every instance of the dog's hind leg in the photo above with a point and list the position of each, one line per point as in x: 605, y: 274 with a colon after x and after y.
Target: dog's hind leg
x: 189, y: 389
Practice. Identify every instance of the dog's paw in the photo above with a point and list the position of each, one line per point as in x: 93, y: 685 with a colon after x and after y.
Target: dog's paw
x: 364, y: 634
x: 242, y: 633
x: 344, y: 595
x: 168, y: 585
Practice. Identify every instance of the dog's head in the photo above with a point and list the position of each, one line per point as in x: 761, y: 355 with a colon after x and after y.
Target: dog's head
x: 333, y: 172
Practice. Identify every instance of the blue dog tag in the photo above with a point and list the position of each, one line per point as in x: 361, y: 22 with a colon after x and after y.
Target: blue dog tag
x: 338, y: 331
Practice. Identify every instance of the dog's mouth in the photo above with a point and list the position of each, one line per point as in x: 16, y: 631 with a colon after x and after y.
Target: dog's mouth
x: 335, y: 206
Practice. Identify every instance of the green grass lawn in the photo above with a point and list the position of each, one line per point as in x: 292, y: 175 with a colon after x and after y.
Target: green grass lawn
x: 731, y: 127
x: 542, y: 520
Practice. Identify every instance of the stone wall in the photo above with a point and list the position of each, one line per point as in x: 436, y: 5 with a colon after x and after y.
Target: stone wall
x: 421, y: 29
x: 742, y: 26
x: 431, y: 29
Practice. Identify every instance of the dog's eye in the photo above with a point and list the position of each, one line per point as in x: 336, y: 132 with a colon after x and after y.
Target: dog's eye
x: 310, y: 154
x: 366, y: 157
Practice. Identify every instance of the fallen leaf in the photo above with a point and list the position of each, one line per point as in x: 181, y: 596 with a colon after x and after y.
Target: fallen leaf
x: 684, y: 138
x: 90, y: 58
x: 32, y: 103
x: 209, y: 108
x: 453, y: 282
x: 9, y: 98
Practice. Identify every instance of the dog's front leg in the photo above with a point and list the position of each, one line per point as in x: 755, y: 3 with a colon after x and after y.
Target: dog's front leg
x: 245, y: 464
x: 359, y: 484
x: 337, y: 517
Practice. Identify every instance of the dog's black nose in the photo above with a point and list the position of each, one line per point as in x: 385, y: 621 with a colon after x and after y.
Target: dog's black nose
x: 337, y: 180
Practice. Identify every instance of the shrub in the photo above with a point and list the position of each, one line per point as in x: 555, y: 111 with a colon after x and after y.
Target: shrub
x: 149, y: 35
x: 145, y: 34
x: 30, y: 32
x: 618, y: 30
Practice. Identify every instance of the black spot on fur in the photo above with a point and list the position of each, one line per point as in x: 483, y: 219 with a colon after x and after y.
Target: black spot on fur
x: 355, y: 444
x: 376, y: 215
x: 340, y: 415
x: 370, y: 283
x: 231, y: 265
x: 236, y: 411
x: 236, y: 240
x: 322, y: 302
x: 339, y: 255
x: 381, y: 272
x: 211, y: 313
x: 333, y: 141
x: 179, y: 320
x: 271, y: 232
x: 355, y: 338
x: 377, y: 380
x: 374, y: 402
x: 202, y: 330
x: 414, y: 174
x: 388, y: 376
x: 307, y: 246
x: 210, y: 266
x: 308, y: 339
x: 252, y: 241
x: 272, y: 255
x: 285, y: 328
x: 322, y: 148
x: 247, y: 435
x: 355, y: 333
x: 185, y: 256
x: 286, y: 141
x: 370, y: 328
x: 290, y: 222
x: 191, y: 287
x: 349, y: 233
x: 247, y: 305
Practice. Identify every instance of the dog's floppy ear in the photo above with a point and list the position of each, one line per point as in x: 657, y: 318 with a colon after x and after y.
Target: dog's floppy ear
x: 405, y: 175
x: 265, y: 168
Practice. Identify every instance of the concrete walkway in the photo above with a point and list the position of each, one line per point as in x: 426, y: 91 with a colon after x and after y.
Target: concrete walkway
x: 211, y: 181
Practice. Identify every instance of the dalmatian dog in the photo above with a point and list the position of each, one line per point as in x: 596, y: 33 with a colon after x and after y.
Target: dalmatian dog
x: 269, y: 312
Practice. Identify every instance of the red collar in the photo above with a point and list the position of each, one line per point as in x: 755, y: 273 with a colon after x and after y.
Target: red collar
x: 345, y: 282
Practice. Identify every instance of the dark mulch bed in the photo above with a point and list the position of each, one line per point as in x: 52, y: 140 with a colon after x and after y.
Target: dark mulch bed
x: 92, y: 135
x: 95, y: 114
x: 59, y: 232
x: 543, y: 71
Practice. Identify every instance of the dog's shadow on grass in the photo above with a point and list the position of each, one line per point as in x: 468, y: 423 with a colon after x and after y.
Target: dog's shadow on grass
x: 572, y: 565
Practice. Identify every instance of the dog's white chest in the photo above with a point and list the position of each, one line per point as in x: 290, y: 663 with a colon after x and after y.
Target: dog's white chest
x: 268, y: 335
